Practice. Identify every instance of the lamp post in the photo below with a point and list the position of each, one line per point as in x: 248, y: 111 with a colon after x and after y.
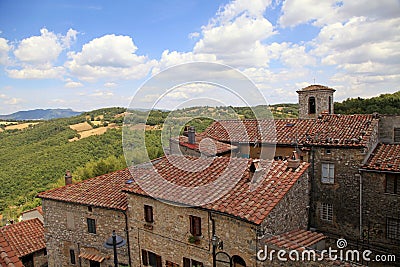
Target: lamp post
x: 114, y: 242
x: 214, y: 242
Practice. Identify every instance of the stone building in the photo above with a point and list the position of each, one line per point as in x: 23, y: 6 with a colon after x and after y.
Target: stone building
x: 164, y: 227
x: 79, y: 218
x: 23, y: 244
x: 315, y: 100
x: 379, y: 211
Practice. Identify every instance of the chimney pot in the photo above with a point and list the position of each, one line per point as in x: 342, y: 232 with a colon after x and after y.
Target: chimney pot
x: 68, y: 178
x: 192, y: 135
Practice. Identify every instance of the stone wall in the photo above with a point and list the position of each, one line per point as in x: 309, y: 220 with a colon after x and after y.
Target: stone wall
x: 291, y: 212
x: 39, y: 258
x: 343, y: 194
x: 377, y: 207
x: 387, y: 123
x: 62, y: 237
x: 168, y: 235
x: 321, y: 103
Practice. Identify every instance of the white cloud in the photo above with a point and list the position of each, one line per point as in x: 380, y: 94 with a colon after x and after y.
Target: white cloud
x: 4, y: 49
x: 110, y: 84
x: 36, y: 56
x: 13, y: 101
x: 327, y: 12
x: 72, y: 84
x: 105, y: 94
x: 41, y: 49
x: 42, y: 72
x: 109, y: 56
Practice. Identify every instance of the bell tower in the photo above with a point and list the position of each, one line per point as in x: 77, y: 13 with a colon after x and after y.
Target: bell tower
x: 315, y: 100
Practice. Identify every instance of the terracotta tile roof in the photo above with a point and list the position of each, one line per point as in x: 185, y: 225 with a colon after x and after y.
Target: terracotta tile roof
x: 39, y: 209
x: 25, y: 237
x: 246, y: 200
x: 102, y: 191
x: 205, y: 145
x: 92, y: 257
x: 385, y: 157
x: 329, y: 130
x: 8, y: 257
x: 315, y: 87
x: 295, y: 240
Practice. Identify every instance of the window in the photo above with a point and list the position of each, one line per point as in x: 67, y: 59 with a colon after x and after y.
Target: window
x: 392, y: 183
x: 72, y: 256
x: 70, y: 221
x: 311, y: 105
x: 148, y: 213
x: 191, y: 263
x: 328, y: 173
x: 327, y: 212
x: 396, y: 135
x: 91, y: 224
x: 90, y: 209
x: 195, y: 225
x: 171, y: 264
x: 330, y: 104
x: 151, y: 259
x: 393, y: 228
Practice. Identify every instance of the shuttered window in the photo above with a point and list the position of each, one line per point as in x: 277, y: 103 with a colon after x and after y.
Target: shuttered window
x: 91, y: 224
x: 392, y: 183
x: 72, y: 256
x: 393, y: 228
x: 151, y: 259
x: 148, y: 213
x: 195, y: 225
x: 397, y: 135
x: 326, y: 212
x: 328, y: 173
x: 191, y: 263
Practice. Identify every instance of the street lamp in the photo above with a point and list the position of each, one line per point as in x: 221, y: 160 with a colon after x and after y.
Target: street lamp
x: 114, y: 242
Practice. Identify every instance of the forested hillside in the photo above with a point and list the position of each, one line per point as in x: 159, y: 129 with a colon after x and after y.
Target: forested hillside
x: 383, y: 104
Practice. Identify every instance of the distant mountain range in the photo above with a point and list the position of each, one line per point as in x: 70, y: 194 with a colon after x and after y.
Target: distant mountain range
x: 40, y: 114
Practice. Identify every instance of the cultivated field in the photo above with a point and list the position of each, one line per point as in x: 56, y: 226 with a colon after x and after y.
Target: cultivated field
x: 20, y: 126
x: 80, y: 127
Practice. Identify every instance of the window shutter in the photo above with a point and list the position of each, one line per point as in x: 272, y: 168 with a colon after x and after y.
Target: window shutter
x: 145, y: 261
x: 195, y: 226
x: 324, y: 173
x: 331, y: 173
x: 186, y: 262
x: 148, y: 213
x: 158, y: 261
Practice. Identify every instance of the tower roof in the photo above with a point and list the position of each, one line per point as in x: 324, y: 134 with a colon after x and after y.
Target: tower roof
x: 316, y: 87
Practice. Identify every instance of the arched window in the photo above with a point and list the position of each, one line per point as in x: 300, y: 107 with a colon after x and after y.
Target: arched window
x: 311, y: 105
x: 238, y: 261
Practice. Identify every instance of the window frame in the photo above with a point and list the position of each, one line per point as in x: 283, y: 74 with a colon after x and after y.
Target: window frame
x: 188, y: 262
x: 330, y: 178
x: 148, y: 213
x: 312, y: 105
x: 195, y: 225
x: 148, y: 256
x: 326, y: 212
x: 392, y: 233
x: 396, y: 183
x: 72, y: 257
x: 396, y: 134
x: 91, y: 225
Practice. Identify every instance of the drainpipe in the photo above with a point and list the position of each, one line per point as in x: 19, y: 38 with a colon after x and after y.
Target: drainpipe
x: 212, y: 234
x: 127, y: 238
x: 361, y: 188
x: 312, y: 178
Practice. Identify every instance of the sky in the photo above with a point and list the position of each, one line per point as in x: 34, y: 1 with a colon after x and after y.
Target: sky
x: 87, y: 54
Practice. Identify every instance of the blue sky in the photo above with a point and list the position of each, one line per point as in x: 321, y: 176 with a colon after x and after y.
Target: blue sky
x: 92, y: 54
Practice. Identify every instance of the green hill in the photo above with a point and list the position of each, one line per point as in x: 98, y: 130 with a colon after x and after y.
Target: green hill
x: 40, y: 114
x: 383, y: 104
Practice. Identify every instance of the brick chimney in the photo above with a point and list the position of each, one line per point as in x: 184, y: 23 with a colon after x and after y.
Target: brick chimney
x: 192, y: 135
x: 294, y: 161
x: 68, y: 178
